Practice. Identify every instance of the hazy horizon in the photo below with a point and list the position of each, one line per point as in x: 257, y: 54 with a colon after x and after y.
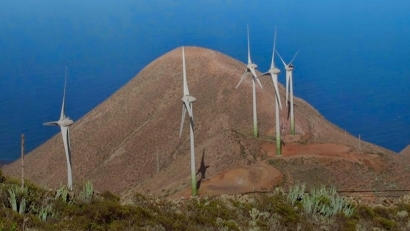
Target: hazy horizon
x: 351, y: 66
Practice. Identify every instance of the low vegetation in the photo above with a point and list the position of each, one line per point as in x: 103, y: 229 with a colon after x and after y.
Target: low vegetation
x: 34, y: 208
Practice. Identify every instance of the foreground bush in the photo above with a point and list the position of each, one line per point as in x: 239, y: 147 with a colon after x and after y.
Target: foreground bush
x: 320, y: 209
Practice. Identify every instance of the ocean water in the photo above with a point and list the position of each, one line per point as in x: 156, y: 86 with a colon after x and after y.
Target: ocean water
x: 352, y: 64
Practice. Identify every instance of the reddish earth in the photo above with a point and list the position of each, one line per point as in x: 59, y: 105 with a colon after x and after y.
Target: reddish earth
x: 242, y: 179
x: 261, y: 176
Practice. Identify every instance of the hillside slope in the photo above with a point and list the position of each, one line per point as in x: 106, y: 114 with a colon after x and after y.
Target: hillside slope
x: 116, y: 145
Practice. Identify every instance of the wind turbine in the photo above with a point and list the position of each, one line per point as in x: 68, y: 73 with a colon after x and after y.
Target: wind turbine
x: 250, y: 68
x: 64, y: 122
x: 289, y: 90
x: 273, y: 72
x: 187, y: 100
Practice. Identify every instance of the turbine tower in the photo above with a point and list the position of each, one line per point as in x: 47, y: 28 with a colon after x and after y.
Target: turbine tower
x: 64, y: 122
x: 273, y: 72
x: 187, y: 100
x: 289, y: 90
x: 250, y: 68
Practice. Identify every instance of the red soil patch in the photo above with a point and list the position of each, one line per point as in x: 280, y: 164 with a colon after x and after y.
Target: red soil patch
x: 312, y: 150
x: 325, y: 153
x: 242, y: 179
x: 262, y: 176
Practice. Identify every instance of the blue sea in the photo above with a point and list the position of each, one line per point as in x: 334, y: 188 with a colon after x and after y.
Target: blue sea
x: 353, y: 62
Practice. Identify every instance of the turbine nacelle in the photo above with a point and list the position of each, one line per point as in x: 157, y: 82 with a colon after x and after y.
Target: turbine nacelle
x: 62, y: 123
x: 274, y: 71
x: 188, y: 99
x: 65, y: 122
x: 251, y: 66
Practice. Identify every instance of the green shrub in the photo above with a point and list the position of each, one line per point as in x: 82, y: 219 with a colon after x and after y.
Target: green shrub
x: 321, y: 209
x: 386, y: 223
x: 345, y: 223
x: 2, y: 178
x: 383, y: 212
x: 364, y: 212
x: 87, y: 193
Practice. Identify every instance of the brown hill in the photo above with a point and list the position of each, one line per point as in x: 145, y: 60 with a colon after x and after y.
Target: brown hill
x: 406, y: 151
x: 116, y: 145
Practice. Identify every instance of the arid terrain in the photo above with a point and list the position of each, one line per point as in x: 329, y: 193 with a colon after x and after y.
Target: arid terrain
x: 130, y: 143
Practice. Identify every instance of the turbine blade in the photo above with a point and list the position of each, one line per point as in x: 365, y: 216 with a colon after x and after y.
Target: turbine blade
x: 284, y: 64
x: 272, y: 65
x: 62, y: 115
x: 53, y: 123
x: 253, y: 72
x: 186, y: 90
x: 294, y: 57
x: 275, y: 84
x: 242, y: 78
x: 65, y: 135
x: 191, y: 117
x: 257, y: 80
x: 182, y: 119
x: 249, y: 49
x: 189, y: 108
x: 68, y: 139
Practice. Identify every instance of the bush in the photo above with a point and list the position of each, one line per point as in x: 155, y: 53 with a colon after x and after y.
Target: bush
x: 61, y: 210
x: 2, y: 178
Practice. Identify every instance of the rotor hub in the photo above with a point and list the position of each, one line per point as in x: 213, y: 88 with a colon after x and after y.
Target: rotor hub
x: 188, y: 99
x: 275, y: 70
x: 252, y: 65
x: 65, y: 122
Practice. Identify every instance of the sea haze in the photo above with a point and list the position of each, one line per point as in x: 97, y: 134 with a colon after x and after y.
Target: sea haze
x: 352, y: 65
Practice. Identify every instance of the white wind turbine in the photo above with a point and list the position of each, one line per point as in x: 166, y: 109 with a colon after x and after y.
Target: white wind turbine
x: 289, y: 90
x: 250, y: 68
x: 64, y: 122
x: 273, y: 72
x: 187, y: 100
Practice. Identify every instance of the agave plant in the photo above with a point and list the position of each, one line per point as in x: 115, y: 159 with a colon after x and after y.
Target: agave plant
x: 46, y: 212
x: 17, y: 198
x: 63, y: 194
x: 296, y: 193
x: 325, y: 202
x: 87, y: 193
